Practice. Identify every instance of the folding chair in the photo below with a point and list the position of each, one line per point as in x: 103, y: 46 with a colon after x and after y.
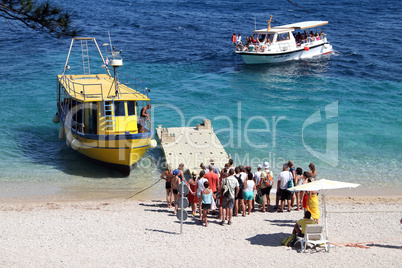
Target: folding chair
x: 313, y: 235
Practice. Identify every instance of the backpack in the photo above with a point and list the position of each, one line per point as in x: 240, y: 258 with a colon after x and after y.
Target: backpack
x: 268, y: 180
x: 241, y: 186
x: 225, y: 190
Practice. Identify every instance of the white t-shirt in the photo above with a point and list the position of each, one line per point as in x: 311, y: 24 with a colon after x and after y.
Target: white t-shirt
x: 250, y: 186
x: 284, y: 178
x: 257, y: 177
x: 200, y: 186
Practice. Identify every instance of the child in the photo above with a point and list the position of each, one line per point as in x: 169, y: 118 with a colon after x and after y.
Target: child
x: 206, y: 196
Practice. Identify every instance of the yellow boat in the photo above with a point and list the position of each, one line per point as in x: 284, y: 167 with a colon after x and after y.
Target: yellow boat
x: 102, y: 117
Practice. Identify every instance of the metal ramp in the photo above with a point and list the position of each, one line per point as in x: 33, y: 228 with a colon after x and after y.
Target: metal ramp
x: 110, y: 119
x: 85, y: 57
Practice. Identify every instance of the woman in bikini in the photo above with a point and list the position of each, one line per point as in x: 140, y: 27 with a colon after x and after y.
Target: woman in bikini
x: 192, y: 196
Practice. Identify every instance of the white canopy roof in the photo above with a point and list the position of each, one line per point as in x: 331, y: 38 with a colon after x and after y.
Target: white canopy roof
x: 304, y: 24
x: 298, y: 25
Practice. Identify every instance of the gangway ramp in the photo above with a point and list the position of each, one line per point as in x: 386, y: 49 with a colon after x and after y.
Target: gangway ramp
x: 192, y: 146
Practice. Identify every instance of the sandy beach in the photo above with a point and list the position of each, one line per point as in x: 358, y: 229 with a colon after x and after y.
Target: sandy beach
x: 139, y: 233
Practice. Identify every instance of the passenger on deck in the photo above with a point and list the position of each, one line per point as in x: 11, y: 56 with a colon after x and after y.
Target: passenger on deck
x: 145, y: 114
x: 238, y: 39
x: 298, y: 38
x: 234, y: 37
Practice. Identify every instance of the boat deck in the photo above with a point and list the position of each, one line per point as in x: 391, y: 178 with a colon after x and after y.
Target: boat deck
x: 192, y: 146
x: 98, y: 87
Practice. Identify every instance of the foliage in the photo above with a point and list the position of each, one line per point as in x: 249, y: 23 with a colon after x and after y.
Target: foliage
x: 43, y: 17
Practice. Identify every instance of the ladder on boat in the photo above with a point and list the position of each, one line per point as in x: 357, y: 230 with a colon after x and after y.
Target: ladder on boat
x: 110, y: 119
x: 85, y: 57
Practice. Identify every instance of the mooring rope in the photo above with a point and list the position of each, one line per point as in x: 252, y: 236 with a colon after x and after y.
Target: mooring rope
x: 143, y: 190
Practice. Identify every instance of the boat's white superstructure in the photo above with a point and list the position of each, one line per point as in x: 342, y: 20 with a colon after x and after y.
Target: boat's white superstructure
x: 284, y: 43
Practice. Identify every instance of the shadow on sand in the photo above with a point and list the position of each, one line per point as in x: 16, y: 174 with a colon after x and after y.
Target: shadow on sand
x: 270, y: 240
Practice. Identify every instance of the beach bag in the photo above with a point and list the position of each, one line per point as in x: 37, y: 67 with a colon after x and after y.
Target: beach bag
x: 289, y: 241
x: 258, y: 197
x: 290, y: 182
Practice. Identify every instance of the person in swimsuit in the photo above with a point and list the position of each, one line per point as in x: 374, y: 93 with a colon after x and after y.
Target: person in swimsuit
x: 206, y: 197
x: 145, y: 114
x: 175, y: 186
x: 299, y: 181
x: 192, y: 196
x: 168, y: 176
x: 313, y: 172
x: 293, y: 171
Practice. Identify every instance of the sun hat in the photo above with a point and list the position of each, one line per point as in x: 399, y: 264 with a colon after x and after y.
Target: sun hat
x: 259, y: 166
x: 266, y: 165
x: 175, y: 172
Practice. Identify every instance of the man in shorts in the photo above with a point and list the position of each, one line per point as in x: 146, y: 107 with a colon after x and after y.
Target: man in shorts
x: 283, y: 180
x: 228, y: 201
x: 265, y: 186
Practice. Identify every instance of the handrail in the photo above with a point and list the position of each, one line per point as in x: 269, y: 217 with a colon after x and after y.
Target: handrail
x: 137, y: 84
x: 71, y: 86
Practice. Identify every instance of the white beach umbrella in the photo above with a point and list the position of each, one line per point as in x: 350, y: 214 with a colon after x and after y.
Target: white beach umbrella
x: 323, y: 185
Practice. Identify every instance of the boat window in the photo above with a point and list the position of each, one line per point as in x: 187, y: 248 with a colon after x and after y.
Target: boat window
x: 261, y: 37
x: 283, y: 36
x: 131, y: 107
x: 270, y: 37
x: 119, y: 108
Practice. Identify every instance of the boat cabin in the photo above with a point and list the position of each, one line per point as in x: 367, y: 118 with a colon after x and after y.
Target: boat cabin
x: 285, y: 38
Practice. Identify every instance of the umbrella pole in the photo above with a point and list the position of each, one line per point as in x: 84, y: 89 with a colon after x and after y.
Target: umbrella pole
x: 325, y: 214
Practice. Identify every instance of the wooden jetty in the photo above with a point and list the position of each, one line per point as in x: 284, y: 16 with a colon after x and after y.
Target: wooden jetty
x: 192, y: 146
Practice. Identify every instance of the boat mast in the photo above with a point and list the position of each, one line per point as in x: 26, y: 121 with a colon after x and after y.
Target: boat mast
x: 269, y: 23
x: 71, y: 46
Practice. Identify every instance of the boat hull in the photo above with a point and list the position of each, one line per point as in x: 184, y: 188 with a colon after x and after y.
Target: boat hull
x: 268, y: 57
x: 122, y: 151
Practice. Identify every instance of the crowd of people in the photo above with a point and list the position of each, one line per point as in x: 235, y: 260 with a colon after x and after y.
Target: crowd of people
x: 255, y: 43
x: 235, y: 191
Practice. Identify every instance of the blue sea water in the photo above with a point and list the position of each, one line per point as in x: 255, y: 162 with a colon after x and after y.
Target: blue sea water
x: 341, y: 112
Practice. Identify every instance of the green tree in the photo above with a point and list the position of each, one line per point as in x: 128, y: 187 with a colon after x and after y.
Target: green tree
x: 44, y: 17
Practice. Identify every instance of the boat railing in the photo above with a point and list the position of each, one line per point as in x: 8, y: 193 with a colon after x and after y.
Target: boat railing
x: 134, y: 83
x: 81, y: 89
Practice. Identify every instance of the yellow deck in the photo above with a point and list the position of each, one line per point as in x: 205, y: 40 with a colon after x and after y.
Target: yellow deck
x: 97, y: 87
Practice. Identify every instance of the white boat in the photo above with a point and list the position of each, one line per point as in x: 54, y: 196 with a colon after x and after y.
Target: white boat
x: 285, y: 43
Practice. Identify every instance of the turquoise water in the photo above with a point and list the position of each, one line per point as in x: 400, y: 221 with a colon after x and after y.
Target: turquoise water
x: 182, y: 49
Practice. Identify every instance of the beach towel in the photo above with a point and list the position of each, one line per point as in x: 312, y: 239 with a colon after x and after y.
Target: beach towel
x: 312, y: 206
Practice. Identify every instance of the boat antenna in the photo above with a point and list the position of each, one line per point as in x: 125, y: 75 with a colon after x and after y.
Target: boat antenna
x: 269, y: 23
x: 255, y: 24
